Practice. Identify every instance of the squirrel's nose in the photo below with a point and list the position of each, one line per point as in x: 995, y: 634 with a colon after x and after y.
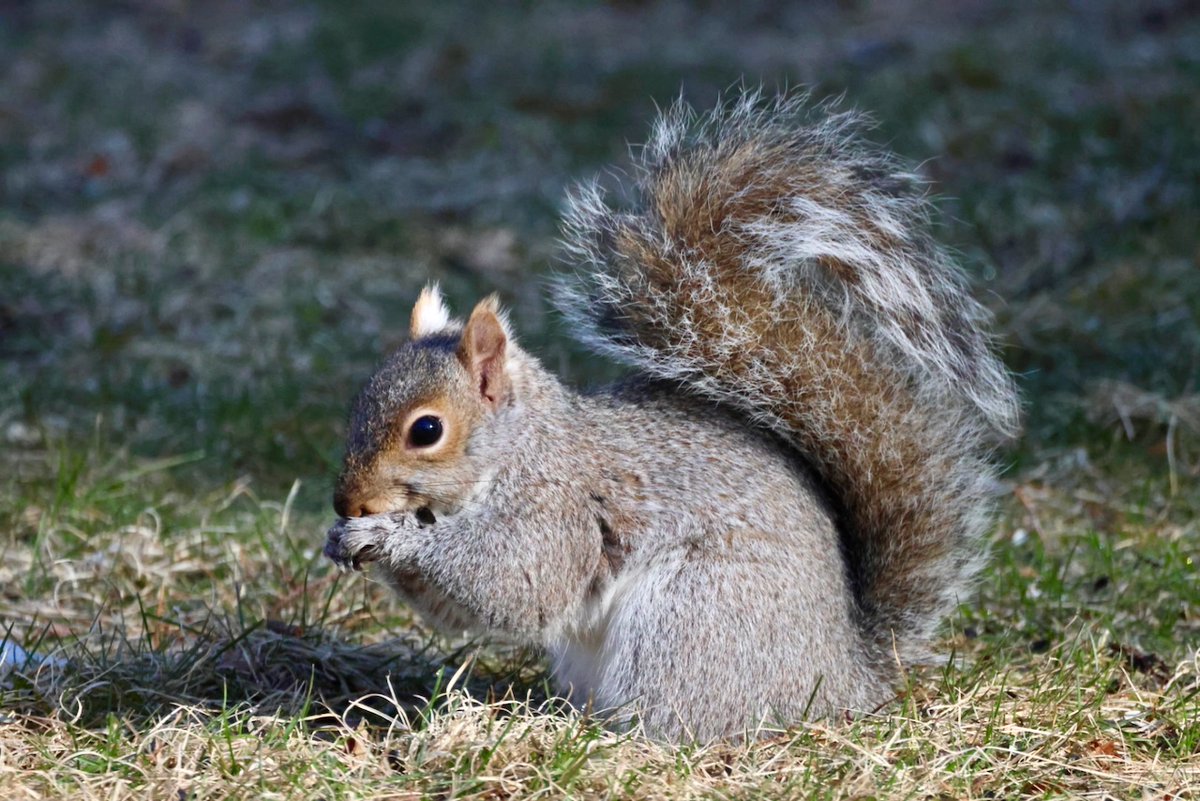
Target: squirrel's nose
x: 344, y: 508
x: 353, y: 505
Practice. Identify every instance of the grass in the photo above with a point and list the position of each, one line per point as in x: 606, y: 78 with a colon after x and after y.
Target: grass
x: 213, y: 221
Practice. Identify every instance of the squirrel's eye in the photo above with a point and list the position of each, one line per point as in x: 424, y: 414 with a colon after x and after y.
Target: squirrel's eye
x: 425, y: 431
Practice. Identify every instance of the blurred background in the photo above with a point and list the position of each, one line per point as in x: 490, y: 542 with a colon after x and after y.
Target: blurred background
x: 214, y: 217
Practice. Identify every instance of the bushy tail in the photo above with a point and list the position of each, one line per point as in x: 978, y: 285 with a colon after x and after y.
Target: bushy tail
x: 775, y: 263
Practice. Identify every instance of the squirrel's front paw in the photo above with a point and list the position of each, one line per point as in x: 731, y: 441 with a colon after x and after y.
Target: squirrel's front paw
x: 354, y: 541
x: 350, y: 547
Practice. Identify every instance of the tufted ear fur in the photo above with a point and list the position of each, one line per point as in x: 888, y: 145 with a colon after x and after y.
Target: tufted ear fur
x: 483, y: 351
x: 429, y: 314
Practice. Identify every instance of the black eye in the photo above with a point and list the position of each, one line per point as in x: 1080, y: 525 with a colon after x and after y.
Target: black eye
x: 425, y: 431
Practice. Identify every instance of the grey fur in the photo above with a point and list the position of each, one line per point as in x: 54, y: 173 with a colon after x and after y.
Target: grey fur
x: 667, y: 540
x: 842, y: 240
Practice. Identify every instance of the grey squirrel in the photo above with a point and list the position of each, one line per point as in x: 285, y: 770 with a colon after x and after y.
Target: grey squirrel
x: 771, y: 517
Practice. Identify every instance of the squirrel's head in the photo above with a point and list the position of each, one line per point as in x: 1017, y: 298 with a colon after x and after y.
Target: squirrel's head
x: 410, y: 441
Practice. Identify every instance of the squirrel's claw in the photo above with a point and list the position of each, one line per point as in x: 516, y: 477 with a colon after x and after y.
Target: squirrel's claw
x: 347, y: 555
x: 353, y: 542
x: 333, y: 547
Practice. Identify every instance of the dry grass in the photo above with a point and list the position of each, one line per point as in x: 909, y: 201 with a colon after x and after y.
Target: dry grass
x: 1137, y: 409
x: 1038, y: 734
x: 213, y: 217
x: 261, y: 684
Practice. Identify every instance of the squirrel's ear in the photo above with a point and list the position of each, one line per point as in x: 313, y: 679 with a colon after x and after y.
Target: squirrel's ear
x: 429, y: 314
x: 483, y: 351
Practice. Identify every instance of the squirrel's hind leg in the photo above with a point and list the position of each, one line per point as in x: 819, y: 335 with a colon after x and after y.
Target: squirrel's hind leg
x: 714, y: 644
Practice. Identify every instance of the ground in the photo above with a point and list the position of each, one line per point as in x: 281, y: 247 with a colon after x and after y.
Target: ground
x: 215, y: 216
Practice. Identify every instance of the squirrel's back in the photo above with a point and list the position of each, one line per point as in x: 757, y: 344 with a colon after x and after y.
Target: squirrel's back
x: 774, y: 263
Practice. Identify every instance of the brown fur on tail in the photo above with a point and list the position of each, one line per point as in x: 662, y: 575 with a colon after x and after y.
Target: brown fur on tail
x: 776, y: 264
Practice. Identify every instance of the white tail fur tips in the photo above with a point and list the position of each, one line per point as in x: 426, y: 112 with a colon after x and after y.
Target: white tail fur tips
x: 774, y: 262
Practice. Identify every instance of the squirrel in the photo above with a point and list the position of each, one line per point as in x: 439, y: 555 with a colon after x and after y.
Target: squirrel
x: 769, y: 519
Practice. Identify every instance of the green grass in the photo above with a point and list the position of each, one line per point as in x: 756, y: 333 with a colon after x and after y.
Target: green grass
x: 213, y: 224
